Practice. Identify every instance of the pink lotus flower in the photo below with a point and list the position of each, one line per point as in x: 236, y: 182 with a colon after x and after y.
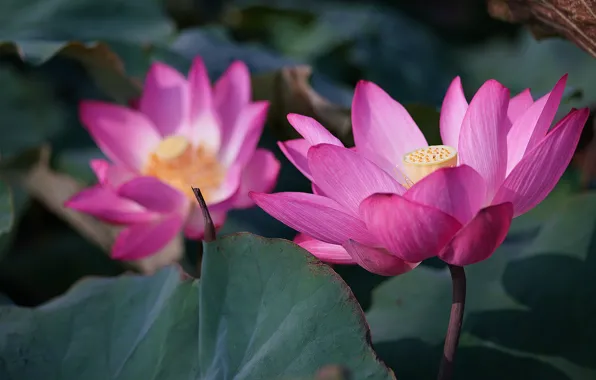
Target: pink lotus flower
x: 393, y: 201
x: 182, y: 133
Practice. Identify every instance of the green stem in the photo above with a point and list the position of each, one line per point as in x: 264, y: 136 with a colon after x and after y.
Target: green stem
x: 458, y: 278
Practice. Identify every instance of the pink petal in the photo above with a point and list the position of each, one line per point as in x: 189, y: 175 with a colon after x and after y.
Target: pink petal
x: 483, y: 136
x: 328, y: 253
x: 260, y: 175
x: 314, y: 215
x: 531, y: 127
x: 459, y: 192
x: 111, y: 175
x: 204, y: 124
x: 539, y: 170
x: 317, y: 190
x: 410, y: 231
x: 117, y: 175
x: 165, y: 99
x: 108, y: 206
x: 347, y: 176
x: 550, y: 111
x: 224, y: 198
x: 452, y: 113
x: 389, y: 168
x: 231, y: 95
x: 477, y: 240
x: 195, y: 223
x: 142, y: 240
x: 240, y: 146
x: 377, y: 260
x: 312, y: 130
x: 296, y: 152
x: 154, y: 194
x: 519, y: 104
x: 200, y: 89
x: 382, y: 126
x: 100, y: 168
x: 125, y: 136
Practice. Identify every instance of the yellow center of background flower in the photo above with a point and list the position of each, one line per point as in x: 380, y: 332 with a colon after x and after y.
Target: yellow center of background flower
x: 178, y: 163
x: 421, y: 162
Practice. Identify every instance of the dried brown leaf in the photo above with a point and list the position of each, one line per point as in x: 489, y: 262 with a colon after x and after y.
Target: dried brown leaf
x: 572, y: 19
x: 289, y: 91
x: 31, y: 171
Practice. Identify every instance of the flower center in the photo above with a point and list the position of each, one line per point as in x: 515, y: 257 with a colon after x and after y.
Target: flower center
x: 421, y: 162
x: 178, y: 163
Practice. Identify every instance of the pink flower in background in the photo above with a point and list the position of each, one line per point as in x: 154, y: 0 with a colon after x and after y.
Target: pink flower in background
x: 182, y: 133
x: 393, y: 201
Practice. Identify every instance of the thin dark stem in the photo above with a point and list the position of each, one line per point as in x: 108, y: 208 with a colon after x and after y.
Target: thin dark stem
x: 458, y: 278
x: 209, y: 233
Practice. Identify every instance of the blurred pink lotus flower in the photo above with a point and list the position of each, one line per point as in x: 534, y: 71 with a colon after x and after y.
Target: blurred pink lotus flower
x: 393, y: 201
x: 181, y: 133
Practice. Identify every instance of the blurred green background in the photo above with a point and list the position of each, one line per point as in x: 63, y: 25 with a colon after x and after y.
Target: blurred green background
x: 535, y: 305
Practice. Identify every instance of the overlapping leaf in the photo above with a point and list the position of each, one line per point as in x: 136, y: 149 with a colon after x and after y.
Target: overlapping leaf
x: 59, y: 20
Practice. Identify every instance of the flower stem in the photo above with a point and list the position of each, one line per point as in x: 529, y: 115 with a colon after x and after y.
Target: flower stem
x: 458, y: 278
x: 209, y: 234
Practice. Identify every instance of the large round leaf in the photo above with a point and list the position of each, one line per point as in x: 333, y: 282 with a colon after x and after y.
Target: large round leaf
x: 270, y: 309
x: 124, y: 328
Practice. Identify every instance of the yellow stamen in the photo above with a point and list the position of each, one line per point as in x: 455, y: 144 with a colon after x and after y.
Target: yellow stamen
x: 178, y: 163
x: 421, y: 162
x: 172, y: 147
